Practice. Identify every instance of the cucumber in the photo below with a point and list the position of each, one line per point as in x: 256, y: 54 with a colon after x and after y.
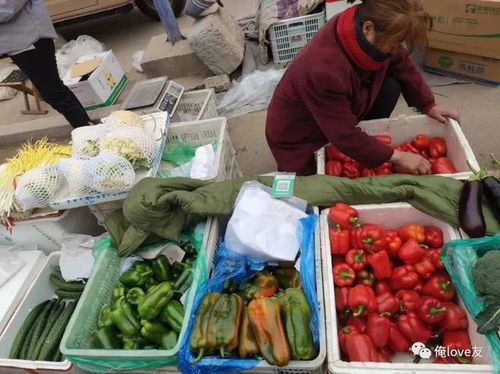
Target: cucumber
x: 58, y: 356
x: 38, y: 327
x: 22, y: 334
x: 63, y: 294
x: 55, y: 313
x: 66, y: 286
x: 53, y: 339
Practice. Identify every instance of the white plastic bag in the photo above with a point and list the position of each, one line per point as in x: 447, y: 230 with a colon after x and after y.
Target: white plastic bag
x: 262, y: 227
x: 70, y: 52
x: 203, y: 163
x: 76, y: 258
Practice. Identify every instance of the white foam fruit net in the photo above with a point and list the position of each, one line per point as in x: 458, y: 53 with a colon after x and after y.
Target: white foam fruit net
x: 131, y: 143
x: 108, y: 173
x: 72, y: 170
x: 122, y: 118
x: 37, y: 187
x: 85, y: 141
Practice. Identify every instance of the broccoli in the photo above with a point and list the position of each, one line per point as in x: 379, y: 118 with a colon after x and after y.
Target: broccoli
x: 486, y: 274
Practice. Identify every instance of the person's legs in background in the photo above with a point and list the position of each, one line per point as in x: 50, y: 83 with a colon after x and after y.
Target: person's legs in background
x: 386, y: 100
x: 40, y: 66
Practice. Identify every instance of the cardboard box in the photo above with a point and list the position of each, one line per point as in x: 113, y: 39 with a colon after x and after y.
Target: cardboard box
x: 479, y: 69
x: 96, y: 80
x: 465, y: 26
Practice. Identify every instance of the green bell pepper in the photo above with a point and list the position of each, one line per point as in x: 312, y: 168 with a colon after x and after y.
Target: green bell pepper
x: 169, y: 340
x: 136, y: 275
x: 153, y: 331
x: 155, y: 300
x: 135, y: 295
x: 187, y: 247
x: 104, y: 317
x: 161, y: 269
x: 173, y: 315
x: 106, y: 338
x: 131, y: 345
x: 124, y: 318
x: 184, y: 281
x: 118, y: 292
x: 150, y: 282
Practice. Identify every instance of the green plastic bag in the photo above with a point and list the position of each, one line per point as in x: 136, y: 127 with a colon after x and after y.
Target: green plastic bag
x: 178, y: 153
x: 459, y: 257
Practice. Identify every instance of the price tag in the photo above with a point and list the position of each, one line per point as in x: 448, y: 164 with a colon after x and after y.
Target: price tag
x: 283, y: 185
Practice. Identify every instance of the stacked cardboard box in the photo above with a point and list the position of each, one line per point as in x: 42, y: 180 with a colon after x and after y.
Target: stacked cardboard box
x: 465, y: 39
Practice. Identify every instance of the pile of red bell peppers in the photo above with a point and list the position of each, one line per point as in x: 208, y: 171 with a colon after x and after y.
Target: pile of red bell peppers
x: 433, y: 149
x: 391, y: 290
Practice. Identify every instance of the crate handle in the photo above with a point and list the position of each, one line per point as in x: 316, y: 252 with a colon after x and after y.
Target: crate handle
x: 296, y: 24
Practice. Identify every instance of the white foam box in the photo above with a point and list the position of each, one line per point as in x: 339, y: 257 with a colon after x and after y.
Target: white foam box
x: 40, y: 290
x: 404, y: 129
x: 390, y: 216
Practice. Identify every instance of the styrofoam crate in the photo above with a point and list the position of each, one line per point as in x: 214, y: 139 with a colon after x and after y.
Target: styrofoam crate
x: 40, y: 290
x: 288, y: 36
x: 405, y: 129
x: 47, y: 230
x: 200, y: 103
x: 390, y: 216
x: 315, y: 366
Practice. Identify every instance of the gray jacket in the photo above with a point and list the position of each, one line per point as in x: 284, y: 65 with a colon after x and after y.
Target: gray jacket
x: 22, y: 23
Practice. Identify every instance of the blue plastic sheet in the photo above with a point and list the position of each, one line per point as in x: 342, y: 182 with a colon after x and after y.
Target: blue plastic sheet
x: 231, y: 265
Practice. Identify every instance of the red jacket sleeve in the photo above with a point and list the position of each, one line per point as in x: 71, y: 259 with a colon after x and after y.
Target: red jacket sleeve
x: 415, y: 90
x: 327, y: 96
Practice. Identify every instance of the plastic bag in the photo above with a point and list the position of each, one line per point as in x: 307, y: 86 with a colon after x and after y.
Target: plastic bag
x: 70, y: 52
x: 178, y: 153
x: 231, y: 265
x: 76, y: 259
x: 37, y: 187
x: 11, y: 263
x: 203, y: 163
x: 85, y: 141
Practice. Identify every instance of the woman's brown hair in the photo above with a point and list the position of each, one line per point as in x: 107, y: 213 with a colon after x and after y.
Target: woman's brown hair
x: 397, y: 20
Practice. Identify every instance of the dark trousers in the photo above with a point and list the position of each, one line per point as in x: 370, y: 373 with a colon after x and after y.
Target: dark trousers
x: 40, y: 66
x: 386, y: 100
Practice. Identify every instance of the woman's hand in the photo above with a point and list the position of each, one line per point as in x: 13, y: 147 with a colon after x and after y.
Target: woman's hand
x: 442, y: 113
x: 407, y: 162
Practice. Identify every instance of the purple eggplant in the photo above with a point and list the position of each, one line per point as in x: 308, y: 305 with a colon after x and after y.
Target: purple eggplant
x: 491, y: 189
x: 470, y: 209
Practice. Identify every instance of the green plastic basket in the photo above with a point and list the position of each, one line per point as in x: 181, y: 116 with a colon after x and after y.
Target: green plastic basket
x: 459, y: 257
x: 76, y: 343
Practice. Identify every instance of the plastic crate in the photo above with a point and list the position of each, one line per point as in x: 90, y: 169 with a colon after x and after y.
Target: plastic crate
x: 199, y: 103
x: 405, y: 129
x: 391, y: 216
x: 77, y: 340
x: 315, y: 366
x: 288, y: 36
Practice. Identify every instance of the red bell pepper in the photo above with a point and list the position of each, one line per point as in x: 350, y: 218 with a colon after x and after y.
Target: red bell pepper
x: 384, y: 354
x: 333, y: 153
x: 455, y: 317
x: 344, y: 331
x: 418, y: 287
x: 443, y: 165
x: 409, y: 147
x: 384, y: 169
x: 437, y: 147
x: 433, y: 236
x: 362, y: 300
x: 411, y: 252
x: 373, y: 238
x: 397, y: 341
x: 359, y: 322
x: 412, y: 327
x: 408, y: 300
x: 343, y: 275
x: 382, y: 287
x: 424, y: 268
x: 361, y: 348
x: 384, y: 139
x: 421, y: 141
x: 388, y: 304
x: 377, y: 328
x: 356, y: 258
x: 365, y: 277
x: 442, y: 360
x: 341, y: 297
x: 412, y: 231
x: 368, y: 172
x: 344, y: 216
x: 440, y: 287
x: 431, y: 310
x: 394, y: 242
x: 338, y: 259
x: 350, y: 170
x: 381, y: 265
x: 333, y: 168
x: 403, y: 277
x: 339, y: 240
x: 425, y: 154
x: 434, y: 254
x: 458, y: 340
x: 355, y: 237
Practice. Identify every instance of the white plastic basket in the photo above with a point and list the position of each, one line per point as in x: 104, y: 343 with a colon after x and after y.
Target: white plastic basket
x: 405, y: 129
x: 288, y: 36
x: 391, y: 216
x: 315, y: 366
x: 199, y: 103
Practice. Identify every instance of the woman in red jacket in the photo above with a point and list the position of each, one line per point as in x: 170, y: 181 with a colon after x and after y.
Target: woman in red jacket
x: 353, y: 69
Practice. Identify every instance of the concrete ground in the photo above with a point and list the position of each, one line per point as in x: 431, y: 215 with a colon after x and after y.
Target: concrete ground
x: 126, y: 34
